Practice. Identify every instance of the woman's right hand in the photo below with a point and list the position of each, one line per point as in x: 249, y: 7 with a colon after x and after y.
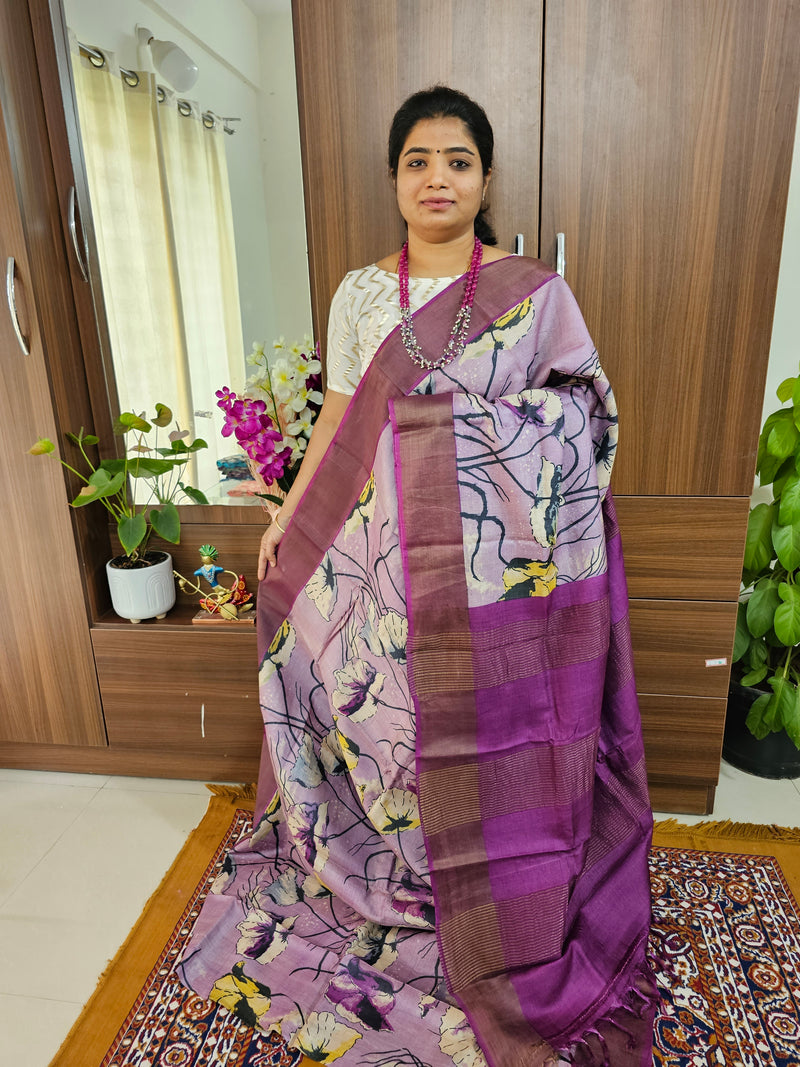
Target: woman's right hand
x: 325, y: 427
x: 267, y: 553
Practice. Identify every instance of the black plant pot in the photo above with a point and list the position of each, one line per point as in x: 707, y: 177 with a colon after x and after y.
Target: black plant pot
x: 776, y: 756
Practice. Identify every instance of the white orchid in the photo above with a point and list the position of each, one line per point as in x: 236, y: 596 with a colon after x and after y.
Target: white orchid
x: 298, y: 448
x: 256, y: 357
x: 283, y: 380
x: 305, y: 365
x: 302, y: 424
x: 304, y: 396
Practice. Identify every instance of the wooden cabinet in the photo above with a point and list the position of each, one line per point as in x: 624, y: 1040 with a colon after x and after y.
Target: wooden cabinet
x: 657, y: 137
x: 356, y: 62
x: 48, y: 687
x: 655, y: 134
x: 197, y: 700
x: 667, y: 135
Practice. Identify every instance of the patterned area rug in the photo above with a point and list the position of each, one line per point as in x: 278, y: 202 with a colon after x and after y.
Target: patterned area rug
x: 726, y: 920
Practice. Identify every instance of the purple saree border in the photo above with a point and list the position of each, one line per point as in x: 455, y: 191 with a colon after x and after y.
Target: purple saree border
x: 347, y: 462
x: 423, y: 428
x: 509, y: 952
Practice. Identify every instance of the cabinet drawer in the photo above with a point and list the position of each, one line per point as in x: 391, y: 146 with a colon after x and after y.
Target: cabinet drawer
x: 683, y: 548
x: 673, y: 642
x: 179, y: 691
x: 683, y: 736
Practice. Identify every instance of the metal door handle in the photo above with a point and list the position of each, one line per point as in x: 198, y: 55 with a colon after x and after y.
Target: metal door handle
x: 73, y: 232
x: 12, y: 305
x: 519, y: 244
x: 561, y: 262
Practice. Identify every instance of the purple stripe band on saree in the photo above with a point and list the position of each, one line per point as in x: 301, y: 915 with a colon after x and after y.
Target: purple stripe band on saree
x: 507, y: 807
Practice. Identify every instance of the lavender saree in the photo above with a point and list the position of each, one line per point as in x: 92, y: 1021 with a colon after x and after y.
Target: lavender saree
x: 453, y: 869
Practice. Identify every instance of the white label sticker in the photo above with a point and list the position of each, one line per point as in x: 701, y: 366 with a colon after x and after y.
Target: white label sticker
x: 717, y: 662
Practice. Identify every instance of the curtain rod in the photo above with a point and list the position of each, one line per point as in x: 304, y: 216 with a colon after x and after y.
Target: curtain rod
x: 97, y: 58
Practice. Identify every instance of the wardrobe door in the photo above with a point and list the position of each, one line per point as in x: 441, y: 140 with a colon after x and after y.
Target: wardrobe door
x: 667, y: 139
x: 356, y: 63
x: 48, y: 686
x: 666, y: 146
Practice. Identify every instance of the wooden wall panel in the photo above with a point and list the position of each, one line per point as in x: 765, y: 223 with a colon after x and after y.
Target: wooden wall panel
x: 683, y: 548
x: 675, y: 643
x: 356, y: 63
x: 206, y: 766
x: 690, y: 798
x: 667, y: 140
x: 683, y: 736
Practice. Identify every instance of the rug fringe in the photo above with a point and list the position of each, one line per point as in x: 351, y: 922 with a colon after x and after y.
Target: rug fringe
x: 233, y: 792
x: 745, y: 830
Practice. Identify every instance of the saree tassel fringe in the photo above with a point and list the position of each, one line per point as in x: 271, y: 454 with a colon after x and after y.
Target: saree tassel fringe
x: 598, y: 1046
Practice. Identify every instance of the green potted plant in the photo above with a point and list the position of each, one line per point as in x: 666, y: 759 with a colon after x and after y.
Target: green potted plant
x: 762, y: 730
x: 141, y: 581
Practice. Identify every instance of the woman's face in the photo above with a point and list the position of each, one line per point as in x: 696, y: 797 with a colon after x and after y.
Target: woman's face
x: 440, y: 180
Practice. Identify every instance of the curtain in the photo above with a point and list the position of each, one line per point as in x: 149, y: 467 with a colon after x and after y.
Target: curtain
x: 161, y: 207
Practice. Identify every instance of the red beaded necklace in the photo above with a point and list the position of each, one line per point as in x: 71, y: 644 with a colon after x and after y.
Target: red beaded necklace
x: 460, y: 331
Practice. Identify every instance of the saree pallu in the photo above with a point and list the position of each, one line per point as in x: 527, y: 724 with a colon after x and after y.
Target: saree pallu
x: 453, y: 869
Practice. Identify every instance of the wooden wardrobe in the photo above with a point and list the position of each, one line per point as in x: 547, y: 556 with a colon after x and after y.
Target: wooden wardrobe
x: 655, y: 134
x: 657, y: 137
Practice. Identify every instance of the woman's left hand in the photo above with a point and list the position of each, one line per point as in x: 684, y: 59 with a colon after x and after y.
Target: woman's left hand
x: 267, y: 553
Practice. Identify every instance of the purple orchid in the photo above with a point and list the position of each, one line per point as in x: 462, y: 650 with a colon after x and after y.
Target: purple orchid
x: 255, y: 432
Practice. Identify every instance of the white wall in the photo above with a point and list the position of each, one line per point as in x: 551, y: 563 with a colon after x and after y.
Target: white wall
x: 283, y: 177
x: 784, y: 353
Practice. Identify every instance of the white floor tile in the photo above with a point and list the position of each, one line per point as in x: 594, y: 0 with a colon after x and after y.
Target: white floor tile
x: 747, y: 798
x: 33, y: 816
x: 33, y: 1029
x: 159, y: 785
x: 90, y: 781
x: 81, y: 854
x: 744, y: 797
x: 60, y: 926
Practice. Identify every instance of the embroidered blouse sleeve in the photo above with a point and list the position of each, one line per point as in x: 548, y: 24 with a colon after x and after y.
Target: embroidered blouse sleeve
x: 343, y: 359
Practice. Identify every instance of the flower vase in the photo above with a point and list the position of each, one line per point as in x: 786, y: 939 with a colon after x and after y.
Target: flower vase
x: 142, y: 592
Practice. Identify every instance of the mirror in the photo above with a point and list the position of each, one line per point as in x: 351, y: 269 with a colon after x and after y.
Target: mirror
x: 197, y: 243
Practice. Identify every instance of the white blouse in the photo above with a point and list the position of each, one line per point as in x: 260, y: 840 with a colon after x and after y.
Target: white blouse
x: 364, y: 311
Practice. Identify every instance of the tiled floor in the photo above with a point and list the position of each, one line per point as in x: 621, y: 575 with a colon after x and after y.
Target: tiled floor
x: 80, y: 855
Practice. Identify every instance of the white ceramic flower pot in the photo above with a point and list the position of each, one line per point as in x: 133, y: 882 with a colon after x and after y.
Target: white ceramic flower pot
x: 143, y: 593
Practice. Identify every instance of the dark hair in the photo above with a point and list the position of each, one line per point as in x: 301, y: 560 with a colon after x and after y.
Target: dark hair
x: 441, y: 102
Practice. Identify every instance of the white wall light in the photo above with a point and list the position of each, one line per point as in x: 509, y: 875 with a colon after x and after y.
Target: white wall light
x: 169, y: 60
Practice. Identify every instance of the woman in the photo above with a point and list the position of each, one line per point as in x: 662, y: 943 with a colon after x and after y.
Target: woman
x: 454, y: 867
